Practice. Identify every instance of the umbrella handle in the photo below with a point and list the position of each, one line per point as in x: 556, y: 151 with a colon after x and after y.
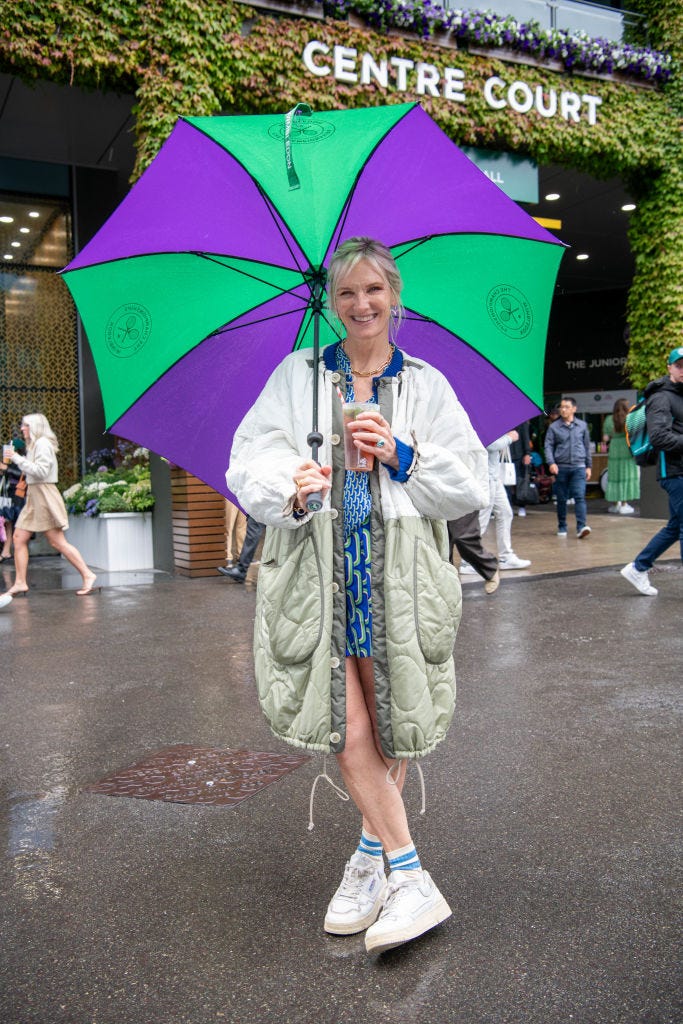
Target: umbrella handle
x: 314, y: 502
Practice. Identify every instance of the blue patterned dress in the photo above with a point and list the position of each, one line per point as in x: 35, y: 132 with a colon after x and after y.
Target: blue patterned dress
x: 357, y: 503
x: 357, y: 550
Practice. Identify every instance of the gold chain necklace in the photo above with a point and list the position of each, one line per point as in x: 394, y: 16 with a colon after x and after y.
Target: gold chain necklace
x: 371, y: 373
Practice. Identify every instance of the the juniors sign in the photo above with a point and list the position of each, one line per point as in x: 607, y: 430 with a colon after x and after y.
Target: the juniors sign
x: 346, y: 64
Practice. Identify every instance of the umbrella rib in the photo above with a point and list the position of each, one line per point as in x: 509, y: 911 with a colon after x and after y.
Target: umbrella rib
x: 219, y: 330
x: 329, y: 323
x: 272, y: 208
x: 337, y: 232
x: 245, y: 273
x: 413, y: 315
x: 232, y: 325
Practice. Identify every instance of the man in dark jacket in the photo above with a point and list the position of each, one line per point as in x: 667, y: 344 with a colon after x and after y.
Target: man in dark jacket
x: 664, y: 410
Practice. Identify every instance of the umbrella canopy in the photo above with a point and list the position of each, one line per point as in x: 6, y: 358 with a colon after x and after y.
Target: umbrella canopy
x: 213, y: 268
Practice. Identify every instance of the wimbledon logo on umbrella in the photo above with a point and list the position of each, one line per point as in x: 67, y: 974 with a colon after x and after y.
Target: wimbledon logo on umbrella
x: 510, y: 311
x: 303, y: 130
x: 128, y: 329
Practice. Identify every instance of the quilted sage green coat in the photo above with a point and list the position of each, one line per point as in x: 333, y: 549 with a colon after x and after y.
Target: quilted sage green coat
x: 300, y: 626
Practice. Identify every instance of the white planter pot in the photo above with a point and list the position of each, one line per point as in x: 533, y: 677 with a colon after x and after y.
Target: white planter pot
x: 114, y: 541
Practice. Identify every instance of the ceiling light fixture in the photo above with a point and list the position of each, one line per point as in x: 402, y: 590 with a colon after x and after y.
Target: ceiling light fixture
x: 583, y: 256
x: 24, y: 231
x: 33, y: 213
x: 8, y: 256
x: 15, y: 245
x: 552, y: 196
x: 627, y: 207
x: 6, y: 220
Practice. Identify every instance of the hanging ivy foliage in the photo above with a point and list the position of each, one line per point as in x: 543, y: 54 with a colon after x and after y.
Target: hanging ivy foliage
x: 194, y: 57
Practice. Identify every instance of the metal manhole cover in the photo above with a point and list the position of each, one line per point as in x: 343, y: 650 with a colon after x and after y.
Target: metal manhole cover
x: 198, y: 775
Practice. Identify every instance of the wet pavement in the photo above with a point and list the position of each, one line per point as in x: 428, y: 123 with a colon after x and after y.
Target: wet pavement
x: 552, y: 824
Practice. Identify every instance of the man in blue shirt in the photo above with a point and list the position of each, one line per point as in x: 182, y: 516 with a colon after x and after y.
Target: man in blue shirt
x: 568, y: 454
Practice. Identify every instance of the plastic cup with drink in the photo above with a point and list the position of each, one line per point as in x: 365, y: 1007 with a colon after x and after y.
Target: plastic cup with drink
x: 7, y: 452
x: 355, y: 459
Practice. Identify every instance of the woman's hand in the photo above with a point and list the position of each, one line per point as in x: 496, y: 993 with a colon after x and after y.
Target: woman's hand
x: 372, y: 436
x: 311, y: 479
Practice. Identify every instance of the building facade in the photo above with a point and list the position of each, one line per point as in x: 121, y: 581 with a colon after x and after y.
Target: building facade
x: 582, y: 129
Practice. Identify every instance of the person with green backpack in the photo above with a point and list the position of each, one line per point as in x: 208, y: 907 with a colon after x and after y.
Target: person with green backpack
x: 664, y: 410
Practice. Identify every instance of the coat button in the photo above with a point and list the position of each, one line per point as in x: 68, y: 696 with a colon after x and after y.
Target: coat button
x: 335, y: 737
x: 335, y: 588
x: 333, y: 513
x: 335, y: 439
x: 334, y: 662
x: 335, y: 378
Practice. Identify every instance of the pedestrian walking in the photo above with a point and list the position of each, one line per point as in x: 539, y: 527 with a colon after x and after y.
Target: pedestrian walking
x: 664, y: 412
x: 568, y: 454
x: 465, y: 535
x: 238, y: 572
x: 44, y: 511
x: 520, y: 456
x: 623, y: 475
x: 14, y: 493
x: 363, y: 671
x: 235, y: 531
x: 499, y: 506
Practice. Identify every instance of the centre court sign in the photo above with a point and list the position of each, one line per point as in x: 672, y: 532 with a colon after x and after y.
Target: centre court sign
x: 346, y: 64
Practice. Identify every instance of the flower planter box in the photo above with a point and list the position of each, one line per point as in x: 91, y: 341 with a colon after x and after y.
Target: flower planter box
x: 114, y: 541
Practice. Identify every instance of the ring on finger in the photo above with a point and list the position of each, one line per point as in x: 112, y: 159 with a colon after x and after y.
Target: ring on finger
x: 380, y: 443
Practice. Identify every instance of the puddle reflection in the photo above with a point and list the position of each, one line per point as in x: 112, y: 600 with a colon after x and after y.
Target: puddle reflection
x: 31, y: 842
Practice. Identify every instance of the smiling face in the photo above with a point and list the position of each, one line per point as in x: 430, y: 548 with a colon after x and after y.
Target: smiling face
x: 362, y: 302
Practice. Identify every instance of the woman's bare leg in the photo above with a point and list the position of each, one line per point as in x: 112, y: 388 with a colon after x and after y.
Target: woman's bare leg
x: 7, y: 546
x: 21, y: 539
x: 59, y: 542
x: 364, y: 768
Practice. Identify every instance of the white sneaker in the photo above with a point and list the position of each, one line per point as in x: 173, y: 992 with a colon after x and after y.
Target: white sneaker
x: 583, y: 532
x: 521, y: 512
x: 640, y: 580
x: 467, y: 570
x: 358, y: 900
x: 5, y: 599
x: 513, y: 562
x: 626, y: 509
x: 413, y: 905
x: 561, y: 533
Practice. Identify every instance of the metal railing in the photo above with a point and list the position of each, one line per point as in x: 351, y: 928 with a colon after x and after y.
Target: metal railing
x: 596, y: 20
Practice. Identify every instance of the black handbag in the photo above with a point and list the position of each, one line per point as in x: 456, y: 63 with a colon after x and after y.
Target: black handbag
x: 527, y: 492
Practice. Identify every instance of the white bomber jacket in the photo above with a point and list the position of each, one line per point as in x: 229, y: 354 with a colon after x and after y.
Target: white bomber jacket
x: 300, y: 626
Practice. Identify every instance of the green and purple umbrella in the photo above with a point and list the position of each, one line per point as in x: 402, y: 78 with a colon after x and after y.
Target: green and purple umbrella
x: 212, y: 269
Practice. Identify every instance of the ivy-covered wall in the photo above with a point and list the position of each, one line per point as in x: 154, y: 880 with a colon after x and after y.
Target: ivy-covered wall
x: 205, y: 56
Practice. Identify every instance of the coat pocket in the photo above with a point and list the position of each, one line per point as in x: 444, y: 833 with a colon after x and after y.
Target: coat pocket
x: 291, y: 597
x: 437, y: 603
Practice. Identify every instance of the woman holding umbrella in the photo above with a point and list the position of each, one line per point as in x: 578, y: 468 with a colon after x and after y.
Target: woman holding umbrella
x: 358, y: 606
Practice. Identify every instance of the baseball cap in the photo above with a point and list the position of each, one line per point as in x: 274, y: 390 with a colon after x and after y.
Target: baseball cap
x: 674, y: 355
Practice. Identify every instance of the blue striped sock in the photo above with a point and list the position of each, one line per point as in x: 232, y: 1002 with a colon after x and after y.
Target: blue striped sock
x: 405, y: 859
x: 370, y: 845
